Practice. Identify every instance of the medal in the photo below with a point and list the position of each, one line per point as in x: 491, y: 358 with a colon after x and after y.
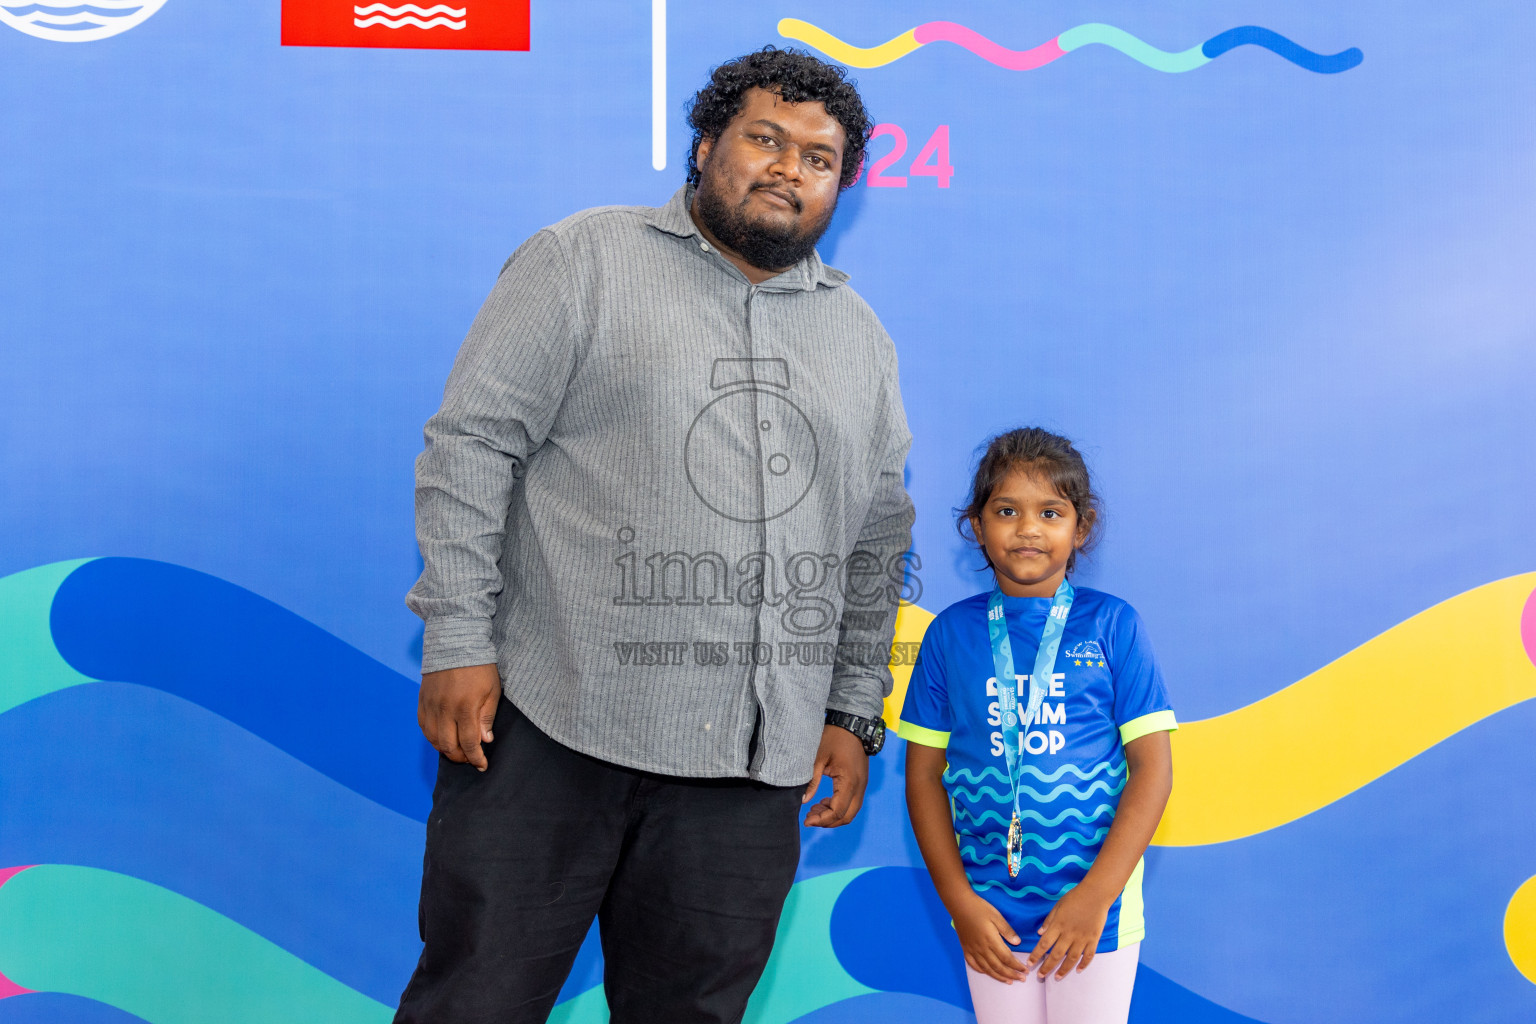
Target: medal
x: 1017, y: 710
x: 1015, y: 845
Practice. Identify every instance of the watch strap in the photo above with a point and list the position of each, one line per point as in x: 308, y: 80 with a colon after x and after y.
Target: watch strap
x: 870, y: 731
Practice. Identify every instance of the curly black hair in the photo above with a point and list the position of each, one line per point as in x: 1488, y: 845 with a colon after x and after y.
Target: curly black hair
x: 797, y: 77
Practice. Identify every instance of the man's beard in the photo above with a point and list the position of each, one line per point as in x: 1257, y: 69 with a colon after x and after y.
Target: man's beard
x: 763, y: 244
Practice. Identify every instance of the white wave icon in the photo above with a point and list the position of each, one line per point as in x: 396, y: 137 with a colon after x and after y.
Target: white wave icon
x: 62, y: 22
x: 439, y: 16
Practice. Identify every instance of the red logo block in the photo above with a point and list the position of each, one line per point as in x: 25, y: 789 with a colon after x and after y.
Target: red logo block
x: 398, y: 24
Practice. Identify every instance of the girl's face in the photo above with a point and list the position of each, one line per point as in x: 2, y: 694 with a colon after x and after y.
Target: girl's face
x: 1028, y: 531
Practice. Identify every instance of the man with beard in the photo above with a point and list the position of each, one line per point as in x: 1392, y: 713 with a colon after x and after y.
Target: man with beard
x: 663, y: 525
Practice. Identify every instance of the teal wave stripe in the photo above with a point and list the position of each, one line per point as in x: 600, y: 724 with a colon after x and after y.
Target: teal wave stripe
x: 30, y: 664
x: 1024, y: 890
x: 158, y: 955
x: 1033, y: 815
x: 1049, y: 869
x: 1099, y: 34
x: 951, y: 774
x: 1048, y: 796
x: 985, y: 858
x: 591, y: 1007
x: 1043, y: 796
x: 977, y: 793
x: 1044, y: 844
x: 1103, y: 768
x: 803, y: 974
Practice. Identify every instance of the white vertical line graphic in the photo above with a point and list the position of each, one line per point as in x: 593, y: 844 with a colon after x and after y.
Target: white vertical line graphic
x: 659, y: 84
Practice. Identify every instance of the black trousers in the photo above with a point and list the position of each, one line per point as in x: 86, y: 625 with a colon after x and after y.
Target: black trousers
x: 686, y: 878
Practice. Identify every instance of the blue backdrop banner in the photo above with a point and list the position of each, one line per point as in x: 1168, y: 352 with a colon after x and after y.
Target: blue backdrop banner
x: 1286, y: 248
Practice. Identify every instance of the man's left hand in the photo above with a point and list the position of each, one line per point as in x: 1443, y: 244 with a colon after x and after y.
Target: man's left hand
x: 841, y: 757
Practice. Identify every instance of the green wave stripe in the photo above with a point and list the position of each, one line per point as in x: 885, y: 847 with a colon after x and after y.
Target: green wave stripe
x: 1145, y: 53
x: 159, y: 955
x: 803, y: 974
x: 30, y: 665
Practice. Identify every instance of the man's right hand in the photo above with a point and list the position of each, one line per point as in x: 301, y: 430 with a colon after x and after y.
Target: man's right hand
x: 456, y: 709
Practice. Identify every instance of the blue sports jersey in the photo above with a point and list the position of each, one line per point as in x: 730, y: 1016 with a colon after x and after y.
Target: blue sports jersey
x: 1106, y: 691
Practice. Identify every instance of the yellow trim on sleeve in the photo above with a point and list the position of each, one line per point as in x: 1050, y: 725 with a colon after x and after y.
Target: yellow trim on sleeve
x: 1157, y: 721
x: 917, y: 734
x: 1133, y: 921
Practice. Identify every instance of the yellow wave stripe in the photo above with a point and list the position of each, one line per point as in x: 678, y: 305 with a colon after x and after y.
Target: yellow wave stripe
x: 853, y: 56
x: 1350, y: 722
x: 911, y: 623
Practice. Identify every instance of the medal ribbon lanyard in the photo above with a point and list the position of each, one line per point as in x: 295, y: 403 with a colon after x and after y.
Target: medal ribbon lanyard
x: 1016, y: 719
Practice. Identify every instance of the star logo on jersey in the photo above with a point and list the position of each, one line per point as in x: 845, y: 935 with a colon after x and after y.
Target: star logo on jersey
x: 1087, y: 652
x: 457, y: 25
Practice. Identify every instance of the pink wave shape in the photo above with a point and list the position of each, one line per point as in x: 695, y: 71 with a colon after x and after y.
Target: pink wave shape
x: 986, y: 49
x: 8, y: 987
x: 1528, y: 627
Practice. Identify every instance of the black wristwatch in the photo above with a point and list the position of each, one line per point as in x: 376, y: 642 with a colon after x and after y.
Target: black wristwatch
x: 870, y: 731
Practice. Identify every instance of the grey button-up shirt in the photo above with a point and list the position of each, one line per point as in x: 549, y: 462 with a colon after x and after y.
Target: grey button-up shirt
x: 668, y: 503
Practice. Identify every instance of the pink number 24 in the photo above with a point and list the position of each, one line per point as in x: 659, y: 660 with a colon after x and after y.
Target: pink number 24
x: 932, y: 160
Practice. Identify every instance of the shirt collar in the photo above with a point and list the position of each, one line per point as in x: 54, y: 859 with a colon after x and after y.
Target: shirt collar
x: 674, y: 219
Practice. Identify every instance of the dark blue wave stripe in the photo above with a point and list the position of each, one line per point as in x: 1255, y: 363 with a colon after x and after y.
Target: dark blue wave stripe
x: 102, y: 12
x: 137, y: 781
x: 1160, y: 1000
x: 58, y: 1008
x: 256, y: 664
x: 1255, y: 35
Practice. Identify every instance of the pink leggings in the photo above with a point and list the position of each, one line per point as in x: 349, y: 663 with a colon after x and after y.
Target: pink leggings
x: 1099, y: 995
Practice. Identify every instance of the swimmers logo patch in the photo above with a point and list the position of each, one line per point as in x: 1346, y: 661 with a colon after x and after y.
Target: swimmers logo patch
x: 1086, y: 652
x: 66, y: 22
x: 458, y: 25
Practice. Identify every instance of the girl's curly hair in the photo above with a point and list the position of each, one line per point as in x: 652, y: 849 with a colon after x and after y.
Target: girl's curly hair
x: 798, y: 78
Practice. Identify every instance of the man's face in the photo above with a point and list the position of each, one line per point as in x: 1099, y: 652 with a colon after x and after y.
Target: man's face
x: 769, y: 184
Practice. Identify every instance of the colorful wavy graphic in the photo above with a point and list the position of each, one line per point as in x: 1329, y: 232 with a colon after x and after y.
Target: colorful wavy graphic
x: 208, y: 851
x: 1373, y: 709
x: 225, y: 649
x: 1093, y: 34
x: 157, y: 955
x: 1239, y: 773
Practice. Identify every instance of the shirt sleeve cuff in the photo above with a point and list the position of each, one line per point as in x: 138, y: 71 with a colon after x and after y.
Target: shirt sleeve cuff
x: 926, y: 737
x: 452, y: 642
x: 1157, y: 721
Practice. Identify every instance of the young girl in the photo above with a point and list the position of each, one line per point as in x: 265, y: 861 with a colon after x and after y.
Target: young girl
x: 1038, y: 731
